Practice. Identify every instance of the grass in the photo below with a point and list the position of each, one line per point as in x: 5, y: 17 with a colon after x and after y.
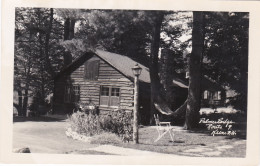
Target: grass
x: 105, y: 138
x: 197, y: 142
x: 189, y: 144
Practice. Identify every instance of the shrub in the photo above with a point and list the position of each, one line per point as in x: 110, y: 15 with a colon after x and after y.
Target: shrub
x: 118, y: 122
x: 85, y: 124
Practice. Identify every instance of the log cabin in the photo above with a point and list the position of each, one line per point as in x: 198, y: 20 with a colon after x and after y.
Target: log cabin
x: 213, y: 95
x: 104, y: 79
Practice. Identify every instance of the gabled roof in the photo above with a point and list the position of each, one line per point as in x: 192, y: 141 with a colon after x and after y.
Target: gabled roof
x: 121, y: 63
x: 206, y: 83
x: 124, y: 64
x: 210, y: 84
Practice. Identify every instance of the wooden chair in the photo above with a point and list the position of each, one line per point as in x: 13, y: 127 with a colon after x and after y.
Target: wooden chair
x: 163, y: 128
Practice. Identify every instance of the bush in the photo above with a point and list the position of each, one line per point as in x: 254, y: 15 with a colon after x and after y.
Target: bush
x: 117, y: 122
x: 85, y: 124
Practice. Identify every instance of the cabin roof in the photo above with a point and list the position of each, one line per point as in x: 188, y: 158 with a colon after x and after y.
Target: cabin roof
x: 124, y: 64
x: 206, y: 83
x: 121, y: 63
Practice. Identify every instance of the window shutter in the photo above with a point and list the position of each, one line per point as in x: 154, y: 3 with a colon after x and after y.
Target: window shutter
x: 91, y: 70
x: 86, y: 75
x: 95, y: 70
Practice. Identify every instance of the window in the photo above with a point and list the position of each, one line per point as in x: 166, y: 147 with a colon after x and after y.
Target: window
x: 105, y: 91
x: 91, y: 70
x: 217, y: 95
x: 205, y: 95
x: 187, y: 75
x: 72, y: 94
x: 115, y: 92
x: 109, y: 96
x: 75, y: 94
x: 67, y: 94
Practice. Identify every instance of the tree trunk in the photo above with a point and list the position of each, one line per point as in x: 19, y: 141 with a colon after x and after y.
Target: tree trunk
x: 25, y: 101
x: 42, y: 94
x: 42, y: 70
x: 69, y: 26
x: 20, y: 102
x: 195, y: 60
x: 47, y: 41
x: 155, y: 81
x: 25, y: 98
x: 67, y: 29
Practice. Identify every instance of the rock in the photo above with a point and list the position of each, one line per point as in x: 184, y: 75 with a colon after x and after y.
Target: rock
x: 22, y: 150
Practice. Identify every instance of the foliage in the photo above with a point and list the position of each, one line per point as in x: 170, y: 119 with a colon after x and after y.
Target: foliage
x: 37, y: 52
x: 226, y: 52
x: 74, y: 135
x: 89, y: 124
x: 118, y: 122
x: 85, y: 124
x: 239, y: 102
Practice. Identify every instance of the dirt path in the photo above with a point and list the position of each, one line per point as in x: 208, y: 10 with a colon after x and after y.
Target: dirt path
x: 45, y: 137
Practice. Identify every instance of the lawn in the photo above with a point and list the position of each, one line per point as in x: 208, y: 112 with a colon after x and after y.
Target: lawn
x: 189, y: 143
x: 197, y: 142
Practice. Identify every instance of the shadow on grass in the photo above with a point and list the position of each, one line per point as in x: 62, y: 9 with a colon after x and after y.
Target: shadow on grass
x: 36, y: 119
x: 170, y: 143
x: 88, y: 152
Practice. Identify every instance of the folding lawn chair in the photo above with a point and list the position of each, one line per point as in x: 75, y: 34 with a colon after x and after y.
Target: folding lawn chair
x: 163, y: 128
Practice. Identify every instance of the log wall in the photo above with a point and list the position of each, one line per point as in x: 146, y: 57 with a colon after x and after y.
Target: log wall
x: 90, y: 89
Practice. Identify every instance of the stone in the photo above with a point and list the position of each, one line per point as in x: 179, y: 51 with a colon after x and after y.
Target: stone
x: 22, y: 150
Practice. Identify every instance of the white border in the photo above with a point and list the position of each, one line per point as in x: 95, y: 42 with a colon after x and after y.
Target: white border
x: 7, y: 28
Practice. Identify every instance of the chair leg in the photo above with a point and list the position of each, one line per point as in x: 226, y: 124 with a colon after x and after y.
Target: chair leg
x: 161, y: 135
x: 171, y: 135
